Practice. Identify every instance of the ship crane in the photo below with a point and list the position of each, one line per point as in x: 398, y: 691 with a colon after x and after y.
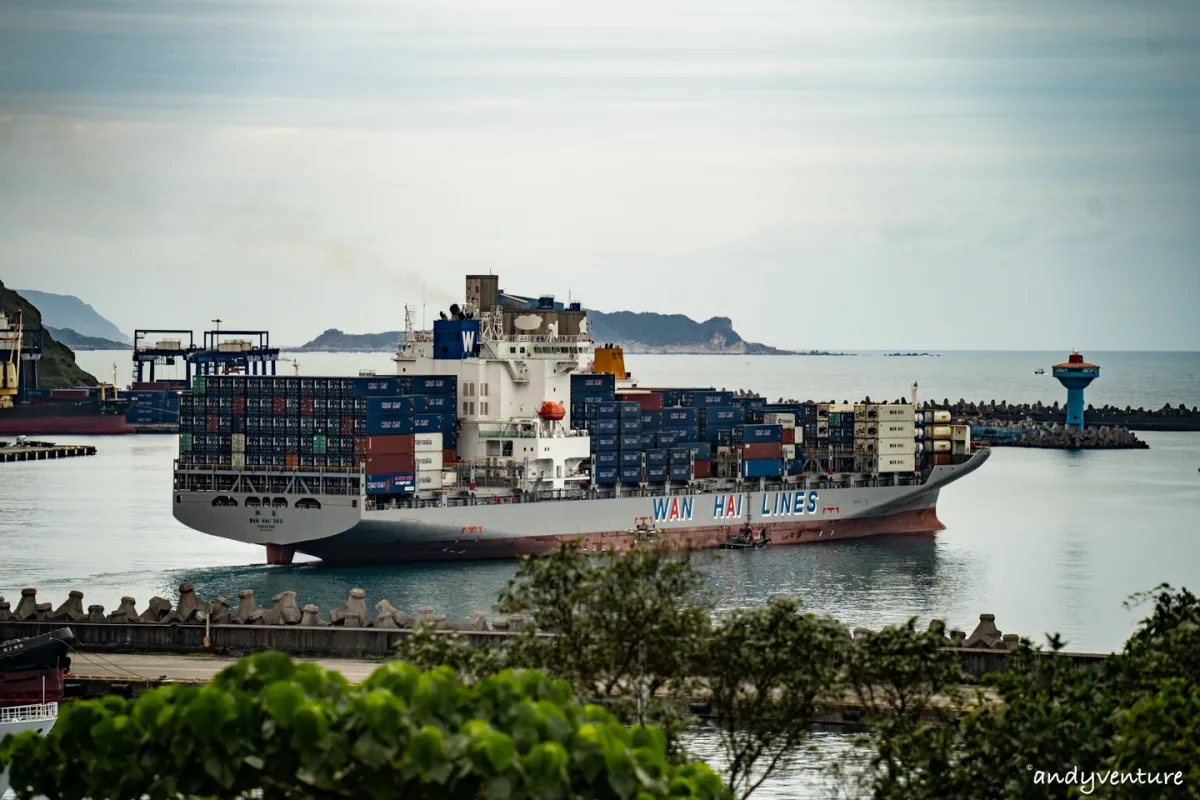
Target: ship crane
x: 10, y: 375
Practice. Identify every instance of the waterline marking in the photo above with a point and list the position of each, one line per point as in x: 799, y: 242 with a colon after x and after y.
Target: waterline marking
x: 1087, y: 781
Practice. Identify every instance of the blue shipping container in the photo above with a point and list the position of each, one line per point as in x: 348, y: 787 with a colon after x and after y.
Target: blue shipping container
x: 658, y: 457
x: 606, y: 475
x: 433, y: 384
x: 631, y: 458
x: 631, y: 441
x: 702, y: 451
x: 710, y: 398
x: 606, y: 458
x: 391, y: 484
x: 753, y: 434
x: 762, y: 468
x: 606, y: 410
x: 387, y: 426
x: 679, y: 417
x: 681, y: 472
x: 680, y: 455
x: 601, y: 382
x: 435, y: 402
x: 631, y: 474
x: 609, y: 426
x: 652, y: 420
x: 647, y: 440
x: 388, y: 406
x: 627, y: 408
x: 657, y: 474
x: 378, y: 387
x: 631, y: 424
x: 668, y: 437
x: 428, y: 423
x: 609, y: 442
x: 728, y: 414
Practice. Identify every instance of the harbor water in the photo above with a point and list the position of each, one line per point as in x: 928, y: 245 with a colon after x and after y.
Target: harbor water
x: 1048, y: 541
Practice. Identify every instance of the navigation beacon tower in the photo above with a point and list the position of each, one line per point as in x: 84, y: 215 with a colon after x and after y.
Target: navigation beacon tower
x: 1075, y: 374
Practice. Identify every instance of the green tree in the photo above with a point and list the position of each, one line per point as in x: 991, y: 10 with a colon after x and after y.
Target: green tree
x: 1135, y: 711
x: 297, y: 731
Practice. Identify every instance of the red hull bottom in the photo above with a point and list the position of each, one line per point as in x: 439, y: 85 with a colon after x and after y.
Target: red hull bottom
x: 70, y: 426
x: 31, y: 686
x: 923, y: 522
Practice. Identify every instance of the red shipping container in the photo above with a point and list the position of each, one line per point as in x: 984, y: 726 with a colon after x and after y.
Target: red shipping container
x: 762, y: 450
x: 360, y: 445
x: 69, y: 394
x: 649, y: 401
x: 149, y: 386
x: 389, y: 445
x: 449, y: 457
x: 239, y: 405
x: 212, y: 424
x: 291, y: 460
x: 306, y: 406
x: 279, y: 406
x: 391, y: 464
x: 702, y: 469
x: 941, y: 459
x: 347, y: 426
x: 789, y: 435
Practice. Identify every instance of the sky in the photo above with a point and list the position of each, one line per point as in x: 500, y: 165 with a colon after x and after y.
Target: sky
x: 870, y: 174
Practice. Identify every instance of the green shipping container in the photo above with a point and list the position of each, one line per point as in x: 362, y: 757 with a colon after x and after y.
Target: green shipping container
x: 320, y: 444
x: 185, y: 443
x: 199, y: 384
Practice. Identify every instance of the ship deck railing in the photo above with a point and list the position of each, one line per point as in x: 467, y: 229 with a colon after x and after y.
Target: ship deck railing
x: 36, y: 712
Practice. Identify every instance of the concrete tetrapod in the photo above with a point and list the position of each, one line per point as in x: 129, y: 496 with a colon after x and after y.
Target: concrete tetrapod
x: 189, y: 608
x: 159, y: 610
x: 352, y: 613
x: 42, y: 612
x: 127, y: 612
x: 248, y: 612
x: 27, y: 607
x: 71, y: 610
x: 312, y: 617
x: 985, y: 635
x: 285, y: 611
x: 95, y: 614
x: 5, y: 610
x: 388, y: 616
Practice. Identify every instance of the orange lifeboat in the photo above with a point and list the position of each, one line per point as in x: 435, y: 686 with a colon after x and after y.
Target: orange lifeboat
x: 552, y: 410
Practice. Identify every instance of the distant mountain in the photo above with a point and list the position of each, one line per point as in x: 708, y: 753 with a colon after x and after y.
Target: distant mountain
x: 67, y: 311
x: 77, y: 341
x: 334, y: 340
x: 672, y: 333
x: 57, y: 369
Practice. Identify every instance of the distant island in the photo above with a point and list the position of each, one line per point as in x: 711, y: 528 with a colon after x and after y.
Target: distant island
x: 66, y: 311
x: 57, y: 369
x: 912, y: 355
x: 77, y: 341
x: 643, y: 333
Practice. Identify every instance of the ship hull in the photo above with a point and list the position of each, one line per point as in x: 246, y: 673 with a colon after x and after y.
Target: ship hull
x: 340, y: 533
x: 85, y: 418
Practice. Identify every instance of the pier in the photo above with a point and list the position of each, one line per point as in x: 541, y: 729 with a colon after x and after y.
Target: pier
x: 40, y: 451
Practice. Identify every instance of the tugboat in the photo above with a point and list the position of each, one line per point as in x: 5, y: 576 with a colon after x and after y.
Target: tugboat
x: 32, y: 674
x: 642, y: 531
x: 747, y: 538
x: 1039, y: 371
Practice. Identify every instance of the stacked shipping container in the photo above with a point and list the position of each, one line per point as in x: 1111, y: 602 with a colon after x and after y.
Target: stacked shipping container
x: 402, y: 429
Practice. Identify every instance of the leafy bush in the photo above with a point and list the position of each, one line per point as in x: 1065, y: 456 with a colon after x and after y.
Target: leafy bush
x: 298, y: 731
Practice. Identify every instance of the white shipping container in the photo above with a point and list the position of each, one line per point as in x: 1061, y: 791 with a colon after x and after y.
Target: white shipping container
x: 897, y: 430
x: 895, y: 463
x: 897, y: 412
x: 799, y: 436
x: 841, y: 408
x: 425, y: 442
x: 239, y: 460
x: 785, y: 420
x: 449, y: 478
x: 900, y: 447
x: 789, y: 452
x: 866, y: 430
x: 239, y: 443
x: 938, y: 432
x: 937, y: 417
x: 960, y: 433
x: 941, y: 446
x: 429, y: 461
x: 429, y: 480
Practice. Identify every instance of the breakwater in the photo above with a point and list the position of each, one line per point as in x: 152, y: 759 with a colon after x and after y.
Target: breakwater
x: 193, y: 626
x: 1167, y: 418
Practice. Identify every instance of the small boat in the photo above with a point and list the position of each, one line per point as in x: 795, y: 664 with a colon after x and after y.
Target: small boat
x: 643, y: 532
x: 1039, y: 371
x: 747, y: 538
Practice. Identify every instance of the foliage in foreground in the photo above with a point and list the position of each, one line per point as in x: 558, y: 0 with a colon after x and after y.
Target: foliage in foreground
x: 298, y: 731
x: 1138, y: 710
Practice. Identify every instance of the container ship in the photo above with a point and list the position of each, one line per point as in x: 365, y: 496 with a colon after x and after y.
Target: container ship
x: 506, y: 431
x: 27, y: 410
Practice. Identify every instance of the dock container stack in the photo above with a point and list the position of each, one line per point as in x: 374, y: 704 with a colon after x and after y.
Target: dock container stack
x: 760, y: 448
x: 589, y: 388
x: 937, y: 435
x: 397, y: 429
x: 886, y: 438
